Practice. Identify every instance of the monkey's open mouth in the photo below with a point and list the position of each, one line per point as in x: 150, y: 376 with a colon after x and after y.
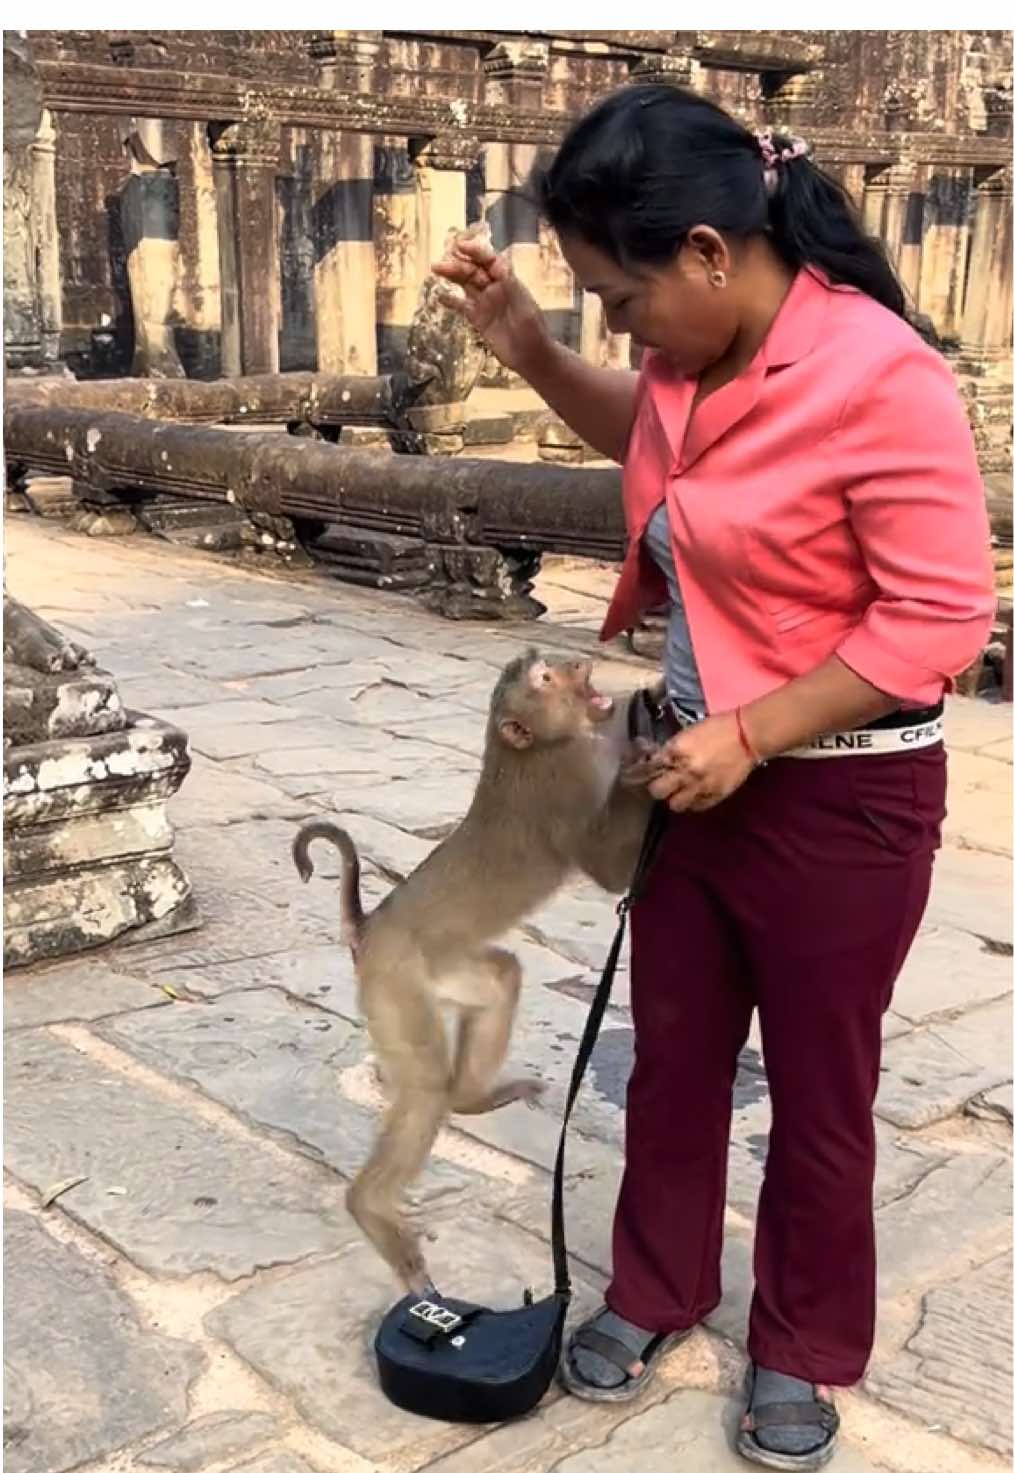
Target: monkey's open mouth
x: 599, y: 706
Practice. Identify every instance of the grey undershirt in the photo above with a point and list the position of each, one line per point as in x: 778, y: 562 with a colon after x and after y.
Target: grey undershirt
x: 682, y: 679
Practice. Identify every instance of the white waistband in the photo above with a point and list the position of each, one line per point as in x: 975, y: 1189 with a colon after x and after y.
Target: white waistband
x: 867, y: 743
x: 872, y: 743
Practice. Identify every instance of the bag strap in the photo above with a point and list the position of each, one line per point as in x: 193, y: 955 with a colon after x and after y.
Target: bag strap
x: 593, y: 1023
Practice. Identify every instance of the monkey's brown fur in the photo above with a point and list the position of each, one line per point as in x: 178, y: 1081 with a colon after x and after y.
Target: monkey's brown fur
x: 547, y: 802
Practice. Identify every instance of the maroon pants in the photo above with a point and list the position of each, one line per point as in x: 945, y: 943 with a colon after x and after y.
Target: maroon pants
x: 799, y: 895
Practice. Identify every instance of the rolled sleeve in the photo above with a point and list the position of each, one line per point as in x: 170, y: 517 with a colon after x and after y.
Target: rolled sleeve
x: 917, y: 510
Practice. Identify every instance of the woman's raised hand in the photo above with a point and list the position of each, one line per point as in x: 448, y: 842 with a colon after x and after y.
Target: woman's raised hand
x: 499, y: 307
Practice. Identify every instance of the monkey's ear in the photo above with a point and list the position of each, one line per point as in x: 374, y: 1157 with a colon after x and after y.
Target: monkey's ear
x: 516, y: 734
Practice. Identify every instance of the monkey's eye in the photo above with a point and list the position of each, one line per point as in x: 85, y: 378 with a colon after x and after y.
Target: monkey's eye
x: 547, y: 679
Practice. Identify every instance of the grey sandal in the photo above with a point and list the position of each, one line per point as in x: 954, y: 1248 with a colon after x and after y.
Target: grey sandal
x: 638, y: 1370
x: 818, y: 1413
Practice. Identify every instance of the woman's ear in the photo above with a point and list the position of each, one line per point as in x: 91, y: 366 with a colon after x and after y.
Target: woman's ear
x: 709, y: 247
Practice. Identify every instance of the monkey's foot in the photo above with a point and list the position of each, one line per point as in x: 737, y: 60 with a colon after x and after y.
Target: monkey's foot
x: 525, y: 1090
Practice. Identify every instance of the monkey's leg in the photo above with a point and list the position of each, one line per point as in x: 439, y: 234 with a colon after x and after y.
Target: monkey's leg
x: 410, y: 1041
x: 483, y: 1037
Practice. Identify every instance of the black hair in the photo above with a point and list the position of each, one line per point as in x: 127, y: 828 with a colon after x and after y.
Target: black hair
x: 647, y: 164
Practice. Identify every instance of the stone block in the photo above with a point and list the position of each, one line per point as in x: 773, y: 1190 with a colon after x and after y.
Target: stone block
x: 974, y: 892
x: 77, y: 990
x: 488, y: 429
x: 310, y: 1334
x: 690, y: 1429
x: 52, y: 496
x: 276, y: 1462
x: 428, y: 804
x: 82, y: 1380
x: 947, y: 971
x: 979, y: 803
x: 215, y: 795
x: 954, y: 1372
x: 189, y: 1197
x: 41, y: 707
x: 209, y: 1439
x: 957, y: 1215
x: 931, y: 1073
x: 278, y: 1064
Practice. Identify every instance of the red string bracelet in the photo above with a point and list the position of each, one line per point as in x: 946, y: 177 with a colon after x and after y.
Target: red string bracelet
x: 744, y: 740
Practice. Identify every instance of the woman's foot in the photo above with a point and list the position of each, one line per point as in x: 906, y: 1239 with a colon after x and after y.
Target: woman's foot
x: 610, y: 1359
x: 788, y: 1423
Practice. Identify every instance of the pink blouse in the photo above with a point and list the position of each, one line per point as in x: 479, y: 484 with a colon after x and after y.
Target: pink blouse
x: 827, y: 501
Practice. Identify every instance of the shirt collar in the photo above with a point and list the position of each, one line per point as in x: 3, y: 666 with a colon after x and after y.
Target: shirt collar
x: 799, y: 319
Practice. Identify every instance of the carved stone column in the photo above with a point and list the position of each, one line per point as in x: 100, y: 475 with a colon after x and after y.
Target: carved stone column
x: 150, y: 221
x: 22, y: 114
x: 345, y: 273
x: 986, y: 322
x: 442, y: 165
x: 599, y: 345
x: 789, y: 101
x: 47, y: 241
x: 945, y: 243
x: 400, y: 268
x: 674, y: 67
x: 515, y: 75
x: 245, y: 159
x: 892, y: 209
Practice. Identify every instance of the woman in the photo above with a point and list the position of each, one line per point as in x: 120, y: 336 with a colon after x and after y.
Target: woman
x: 800, y: 485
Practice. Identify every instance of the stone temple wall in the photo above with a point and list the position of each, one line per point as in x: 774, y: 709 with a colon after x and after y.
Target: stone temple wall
x: 209, y: 203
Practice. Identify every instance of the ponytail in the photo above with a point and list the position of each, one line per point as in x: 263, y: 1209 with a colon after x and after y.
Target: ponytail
x: 814, y: 223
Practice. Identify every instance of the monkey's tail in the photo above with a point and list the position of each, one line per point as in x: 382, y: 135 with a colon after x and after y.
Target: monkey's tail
x: 352, y: 914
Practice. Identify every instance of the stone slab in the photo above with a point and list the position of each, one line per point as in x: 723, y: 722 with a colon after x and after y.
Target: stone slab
x: 310, y: 1333
x: 171, y: 690
x: 83, y: 1381
x: 994, y: 1104
x: 328, y: 752
x: 277, y: 1462
x: 191, y: 1197
x: 978, y: 803
x: 78, y: 990
x: 578, y: 923
x: 428, y: 805
x: 955, y: 1370
x: 958, y: 1214
x: 209, y: 1439
x: 202, y: 720
x: 213, y: 794
x: 278, y: 1064
x: 947, y: 971
x: 973, y: 723
x: 974, y: 892
x: 932, y: 1073
x: 690, y: 1429
x: 385, y: 704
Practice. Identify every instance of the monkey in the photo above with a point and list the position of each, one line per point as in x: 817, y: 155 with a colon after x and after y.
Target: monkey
x: 548, y: 778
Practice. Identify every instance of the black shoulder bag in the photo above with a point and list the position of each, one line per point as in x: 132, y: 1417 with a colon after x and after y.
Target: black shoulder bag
x: 462, y: 1362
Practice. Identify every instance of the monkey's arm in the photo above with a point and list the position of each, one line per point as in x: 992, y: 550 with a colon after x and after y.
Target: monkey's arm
x: 608, y: 849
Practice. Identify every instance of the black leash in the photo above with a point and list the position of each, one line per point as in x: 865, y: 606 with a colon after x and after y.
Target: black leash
x: 596, y: 1013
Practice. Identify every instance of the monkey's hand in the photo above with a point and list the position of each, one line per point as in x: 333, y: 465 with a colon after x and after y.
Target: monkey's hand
x: 642, y: 765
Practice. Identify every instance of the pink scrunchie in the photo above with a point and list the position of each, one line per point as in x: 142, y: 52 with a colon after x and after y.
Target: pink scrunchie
x: 775, y: 158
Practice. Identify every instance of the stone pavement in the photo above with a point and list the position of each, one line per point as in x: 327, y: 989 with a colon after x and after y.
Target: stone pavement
x: 197, y: 1299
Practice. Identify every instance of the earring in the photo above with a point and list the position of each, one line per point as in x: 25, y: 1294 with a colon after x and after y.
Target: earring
x: 717, y: 278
